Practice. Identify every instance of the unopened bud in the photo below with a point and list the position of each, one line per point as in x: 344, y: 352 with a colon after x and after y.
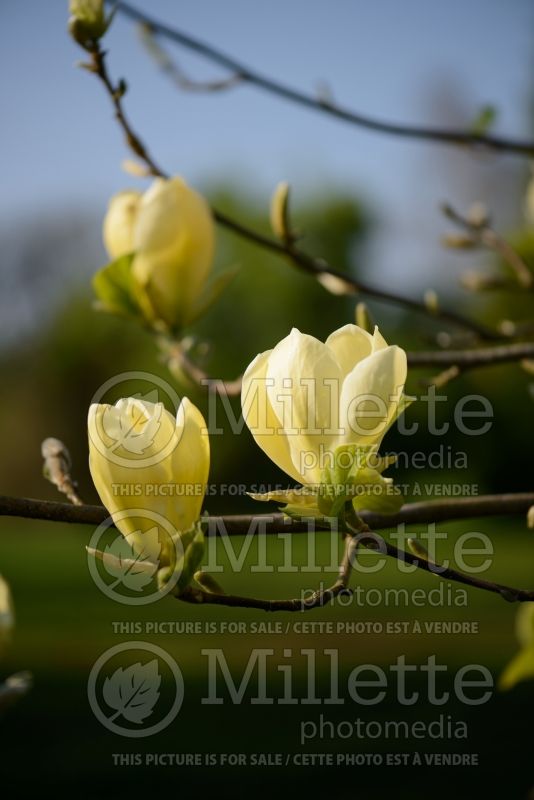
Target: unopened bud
x: 280, y: 212
x: 363, y: 318
x: 431, y: 301
x: 88, y: 21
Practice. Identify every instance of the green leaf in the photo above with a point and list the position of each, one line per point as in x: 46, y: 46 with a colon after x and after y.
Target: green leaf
x: 115, y: 288
x: 356, y: 476
x: 484, y: 120
x: 192, y: 560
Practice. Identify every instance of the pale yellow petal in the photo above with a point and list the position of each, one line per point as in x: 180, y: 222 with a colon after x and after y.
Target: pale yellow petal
x: 119, y: 223
x: 371, y: 394
x: 190, y: 464
x: 350, y: 344
x: 304, y: 381
x: 260, y: 417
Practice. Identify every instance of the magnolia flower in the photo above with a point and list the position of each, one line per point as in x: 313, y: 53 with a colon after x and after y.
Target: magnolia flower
x: 143, y: 459
x: 170, y: 232
x: 307, y: 402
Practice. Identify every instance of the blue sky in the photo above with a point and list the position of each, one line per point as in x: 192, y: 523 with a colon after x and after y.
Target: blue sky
x: 61, y: 148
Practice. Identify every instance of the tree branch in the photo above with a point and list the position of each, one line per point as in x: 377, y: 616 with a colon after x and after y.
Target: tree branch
x: 316, y: 267
x: 469, y: 359
x: 318, y: 599
x: 378, y: 543
x: 247, y: 75
x: 241, y: 524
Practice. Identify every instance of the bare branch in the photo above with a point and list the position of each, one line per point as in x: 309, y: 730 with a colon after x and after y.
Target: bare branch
x: 481, y: 233
x: 469, y: 359
x: 241, y: 524
x: 443, y: 136
x: 176, y: 73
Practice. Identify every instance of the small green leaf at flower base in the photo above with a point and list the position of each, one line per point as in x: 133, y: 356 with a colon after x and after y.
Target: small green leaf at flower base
x: 192, y: 559
x: 191, y: 549
x: 356, y: 476
x: 115, y: 288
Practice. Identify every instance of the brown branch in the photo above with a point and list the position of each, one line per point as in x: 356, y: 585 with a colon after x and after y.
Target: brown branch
x: 372, y: 541
x: 176, y: 73
x: 415, y: 513
x: 242, y: 524
x: 316, y: 267
x: 469, y: 359
x: 481, y: 233
x: 116, y: 93
x: 509, y: 593
x: 180, y: 364
x: 443, y: 136
x: 318, y: 599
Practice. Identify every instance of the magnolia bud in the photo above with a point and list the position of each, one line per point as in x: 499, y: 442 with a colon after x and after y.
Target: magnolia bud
x: 88, y: 21
x: 140, y: 444
x: 170, y: 233
x: 280, y: 211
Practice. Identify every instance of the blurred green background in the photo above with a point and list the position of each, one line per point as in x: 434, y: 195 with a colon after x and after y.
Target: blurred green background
x: 64, y: 623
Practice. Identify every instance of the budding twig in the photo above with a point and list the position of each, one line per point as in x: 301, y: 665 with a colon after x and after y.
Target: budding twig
x: 56, y: 469
x: 316, y: 267
x: 481, y: 233
x: 318, y: 599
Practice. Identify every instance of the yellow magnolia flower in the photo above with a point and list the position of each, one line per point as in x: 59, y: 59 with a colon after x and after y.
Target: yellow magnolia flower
x: 170, y: 232
x: 148, y: 468
x: 307, y: 401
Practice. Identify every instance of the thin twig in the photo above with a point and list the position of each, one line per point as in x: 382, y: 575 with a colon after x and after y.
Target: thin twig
x: 481, y: 233
x: 309, y: 264
x: 170, y: 68
x: 179, y: 363
x: 469, y: 359
x: 318, y: 599
x: 116, y: 93
x: 444, y: 136
x: 509, y: 593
